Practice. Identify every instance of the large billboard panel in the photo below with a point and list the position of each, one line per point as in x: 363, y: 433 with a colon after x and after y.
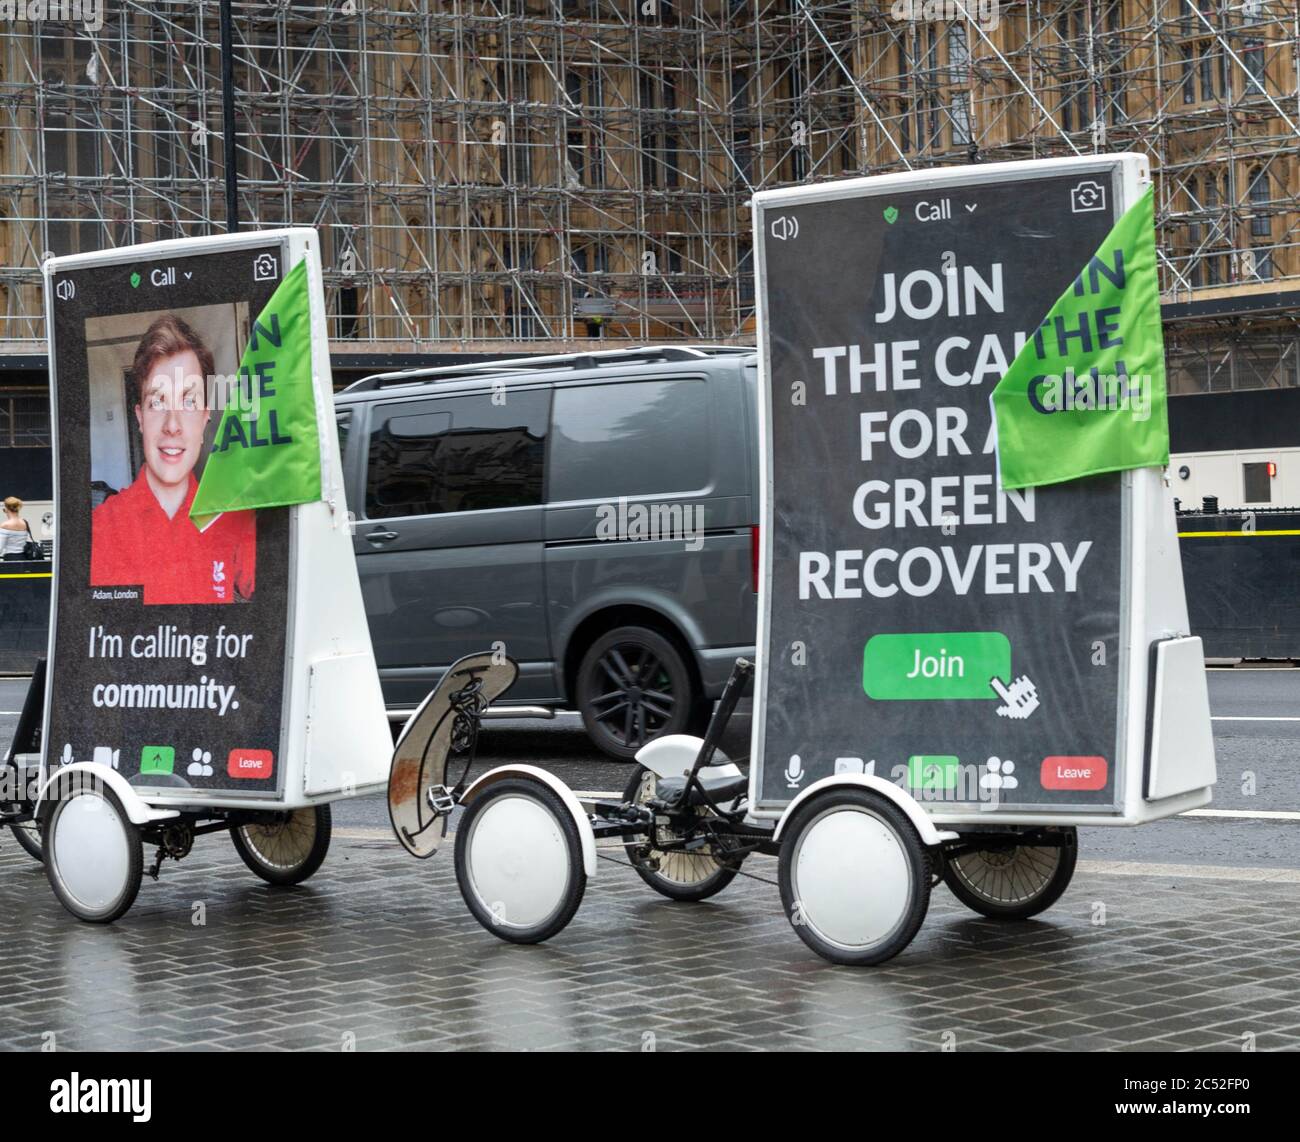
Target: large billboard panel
x: 919, y: 623
x: 168, y: 642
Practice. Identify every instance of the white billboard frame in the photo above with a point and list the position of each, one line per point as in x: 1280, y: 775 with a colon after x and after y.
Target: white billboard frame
x: 1152, y: 606
x: 335, y: 739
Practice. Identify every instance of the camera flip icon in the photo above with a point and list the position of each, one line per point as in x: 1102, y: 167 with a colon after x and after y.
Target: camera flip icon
x: 266, y: 268
x: 1087, y: 196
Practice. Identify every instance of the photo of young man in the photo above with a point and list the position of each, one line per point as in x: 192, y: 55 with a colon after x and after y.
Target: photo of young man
x: 143, y: 536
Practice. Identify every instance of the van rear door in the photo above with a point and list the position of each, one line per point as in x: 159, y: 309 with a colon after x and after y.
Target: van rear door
x: 649, y: 505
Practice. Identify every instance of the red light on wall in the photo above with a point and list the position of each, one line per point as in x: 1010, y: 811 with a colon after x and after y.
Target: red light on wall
x: 1272, y: 469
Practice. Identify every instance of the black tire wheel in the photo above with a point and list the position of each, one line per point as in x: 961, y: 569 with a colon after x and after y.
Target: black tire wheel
x: 1013, y: 882
x: 633, y: 684
x: 686, y: 876
x: 89, y: 817
x: 287, y: 847
x: 28, y: 836
x: 519, y: 861
x: 872, y: 877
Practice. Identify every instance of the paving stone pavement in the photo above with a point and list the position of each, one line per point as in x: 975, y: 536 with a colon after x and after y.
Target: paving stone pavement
x: 378, y: 950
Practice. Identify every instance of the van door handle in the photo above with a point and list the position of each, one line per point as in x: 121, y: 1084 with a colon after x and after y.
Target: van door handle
x: 381, y: 536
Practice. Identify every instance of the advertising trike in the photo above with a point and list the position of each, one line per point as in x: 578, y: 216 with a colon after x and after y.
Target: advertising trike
x: 209, y: 664
x: 955, y: 672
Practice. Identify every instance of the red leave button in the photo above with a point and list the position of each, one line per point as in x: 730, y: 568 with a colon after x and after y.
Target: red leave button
x: 1073, y: 773
x: 250, y: 764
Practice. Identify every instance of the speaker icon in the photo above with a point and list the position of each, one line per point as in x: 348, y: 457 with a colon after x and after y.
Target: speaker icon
x: 785, y: 227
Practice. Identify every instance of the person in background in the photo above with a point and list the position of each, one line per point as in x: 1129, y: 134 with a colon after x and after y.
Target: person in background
x: 14, y: 531
x: 143, y: 536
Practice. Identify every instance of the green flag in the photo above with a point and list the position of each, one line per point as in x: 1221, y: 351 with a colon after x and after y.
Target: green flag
x: 1086, y: 394
x: 266, y: 452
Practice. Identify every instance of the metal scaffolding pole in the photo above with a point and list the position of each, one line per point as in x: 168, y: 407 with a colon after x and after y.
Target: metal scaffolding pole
x: 484, y: 172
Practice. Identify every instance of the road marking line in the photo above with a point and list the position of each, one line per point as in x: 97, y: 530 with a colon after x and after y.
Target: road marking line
x: 1243, y: 718
x: 1239, y: 534
x: 1192, y: 871
x: 1245, y: 814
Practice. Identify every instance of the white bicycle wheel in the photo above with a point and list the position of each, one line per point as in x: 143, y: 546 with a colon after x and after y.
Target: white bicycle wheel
x: 519, y: 861
x: 854, y: 877
x: 93, y: 857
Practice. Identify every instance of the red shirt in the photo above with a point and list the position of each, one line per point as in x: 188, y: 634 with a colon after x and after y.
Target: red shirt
x: 133, y: 543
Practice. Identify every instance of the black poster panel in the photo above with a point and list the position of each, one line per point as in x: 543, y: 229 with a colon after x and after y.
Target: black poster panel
x: 168, y: 657
x: 923, y: 626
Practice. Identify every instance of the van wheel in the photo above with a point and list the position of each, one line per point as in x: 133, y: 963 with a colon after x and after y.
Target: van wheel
x: 633, y: 685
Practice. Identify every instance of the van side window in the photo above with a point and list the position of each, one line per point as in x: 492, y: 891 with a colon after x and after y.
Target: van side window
x: 629, y: 438
x: 456, y: 454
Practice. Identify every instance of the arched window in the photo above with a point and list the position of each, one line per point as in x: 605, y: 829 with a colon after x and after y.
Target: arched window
x: 1259, y: 193
x: 1211, y: 197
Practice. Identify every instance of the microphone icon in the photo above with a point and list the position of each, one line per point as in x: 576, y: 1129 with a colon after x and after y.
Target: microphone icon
x: 794, y: 771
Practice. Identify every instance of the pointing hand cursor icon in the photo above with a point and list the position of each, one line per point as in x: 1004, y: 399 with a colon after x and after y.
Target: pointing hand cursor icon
x: 1019, y: 700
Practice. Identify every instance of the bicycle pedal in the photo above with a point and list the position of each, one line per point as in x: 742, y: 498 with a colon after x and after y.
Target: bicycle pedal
x: 441, y: 800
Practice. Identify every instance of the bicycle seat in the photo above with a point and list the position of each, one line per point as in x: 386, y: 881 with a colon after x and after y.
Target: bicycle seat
x: 720, y: 787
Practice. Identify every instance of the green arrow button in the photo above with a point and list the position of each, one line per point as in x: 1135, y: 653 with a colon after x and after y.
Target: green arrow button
x: 958, y: 664
x: 935, y: 774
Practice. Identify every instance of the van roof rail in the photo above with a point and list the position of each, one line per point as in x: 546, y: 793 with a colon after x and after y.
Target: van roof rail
x: 524, y: 365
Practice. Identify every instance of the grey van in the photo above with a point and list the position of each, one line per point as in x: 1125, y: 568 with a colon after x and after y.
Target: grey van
x: 594, y: 516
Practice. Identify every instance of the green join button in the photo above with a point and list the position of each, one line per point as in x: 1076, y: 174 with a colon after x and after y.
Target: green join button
x: 958, y: 664
x: 936, y: 774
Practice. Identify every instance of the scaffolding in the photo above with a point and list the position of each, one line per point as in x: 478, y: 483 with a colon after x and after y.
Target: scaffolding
x: 550, y: 171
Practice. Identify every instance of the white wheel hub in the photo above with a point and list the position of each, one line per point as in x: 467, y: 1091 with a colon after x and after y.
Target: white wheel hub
x: 91, y: 851
x: 518, y: 861
x: 851, y: 878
